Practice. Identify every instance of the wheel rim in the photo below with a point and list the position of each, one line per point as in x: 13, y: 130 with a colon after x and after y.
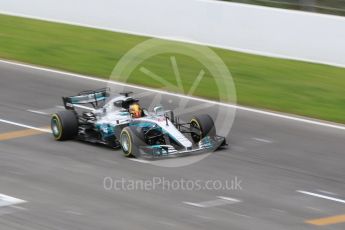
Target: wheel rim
x: 125, y: 142
x: 196, y: 137
x: 55, y: 127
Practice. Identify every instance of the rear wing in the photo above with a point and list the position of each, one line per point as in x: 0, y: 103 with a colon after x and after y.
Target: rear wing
x: 93, y: 97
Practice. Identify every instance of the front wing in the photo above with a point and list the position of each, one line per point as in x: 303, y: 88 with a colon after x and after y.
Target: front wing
x: 206, y: 145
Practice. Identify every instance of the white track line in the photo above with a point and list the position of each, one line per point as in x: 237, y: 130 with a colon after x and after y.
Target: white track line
x: 326, y: 192
x: 194, y: 204
x: 228, y: 198
x: 222, y: 200
x: 321, y: 196
x: 262, y: 140
x: 37, y: 111
x: 272, y: 114
x: 49, y: 111
x: 24, y: 126
x: 139, y: 160
x: 9, y: 200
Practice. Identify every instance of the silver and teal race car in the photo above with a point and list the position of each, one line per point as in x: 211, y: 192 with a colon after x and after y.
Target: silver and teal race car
x: 151, y: 135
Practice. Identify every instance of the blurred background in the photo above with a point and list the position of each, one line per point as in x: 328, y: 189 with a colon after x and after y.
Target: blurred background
x: 286, y: 142
x: 336, y: 7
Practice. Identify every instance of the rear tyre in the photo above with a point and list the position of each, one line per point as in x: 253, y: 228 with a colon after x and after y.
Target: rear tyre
x: 64, y: 125
x: 201, y: 126
x: 131, y: 139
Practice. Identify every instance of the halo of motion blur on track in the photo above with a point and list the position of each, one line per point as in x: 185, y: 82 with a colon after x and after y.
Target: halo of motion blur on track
x: 112, y: 121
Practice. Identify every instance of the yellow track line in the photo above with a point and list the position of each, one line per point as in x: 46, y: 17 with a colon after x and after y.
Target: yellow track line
x: 18, y: 134
x: 327, y: 220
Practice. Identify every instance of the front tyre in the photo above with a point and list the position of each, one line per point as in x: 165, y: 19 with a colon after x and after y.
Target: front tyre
x: 64, y: 125
x: 201, y: 126
x: 131, y: 140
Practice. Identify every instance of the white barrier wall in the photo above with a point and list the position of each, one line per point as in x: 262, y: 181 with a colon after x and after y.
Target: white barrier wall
x: 254, y: 29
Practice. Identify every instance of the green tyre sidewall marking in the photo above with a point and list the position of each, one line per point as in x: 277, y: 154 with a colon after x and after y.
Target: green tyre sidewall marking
x: 57, y: 120
x: 129, y: 152
x: 197, y: 123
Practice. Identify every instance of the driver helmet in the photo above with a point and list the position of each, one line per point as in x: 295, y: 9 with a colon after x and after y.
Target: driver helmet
x: 135, y: 110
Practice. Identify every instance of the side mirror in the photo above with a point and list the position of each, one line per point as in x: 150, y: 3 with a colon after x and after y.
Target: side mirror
x: 158, y: 110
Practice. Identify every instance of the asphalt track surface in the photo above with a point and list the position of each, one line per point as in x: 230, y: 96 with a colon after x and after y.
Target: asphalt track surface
x: 273, y: 158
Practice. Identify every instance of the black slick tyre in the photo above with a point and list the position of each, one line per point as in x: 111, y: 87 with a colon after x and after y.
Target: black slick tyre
x: 64, y: 125
x: 202, y: 125
x: 130, y: 140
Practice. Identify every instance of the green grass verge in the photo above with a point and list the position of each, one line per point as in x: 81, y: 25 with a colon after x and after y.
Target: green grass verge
x: 301, y: 88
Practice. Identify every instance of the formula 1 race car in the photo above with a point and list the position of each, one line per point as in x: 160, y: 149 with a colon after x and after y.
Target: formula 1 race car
x: 121, y: 122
